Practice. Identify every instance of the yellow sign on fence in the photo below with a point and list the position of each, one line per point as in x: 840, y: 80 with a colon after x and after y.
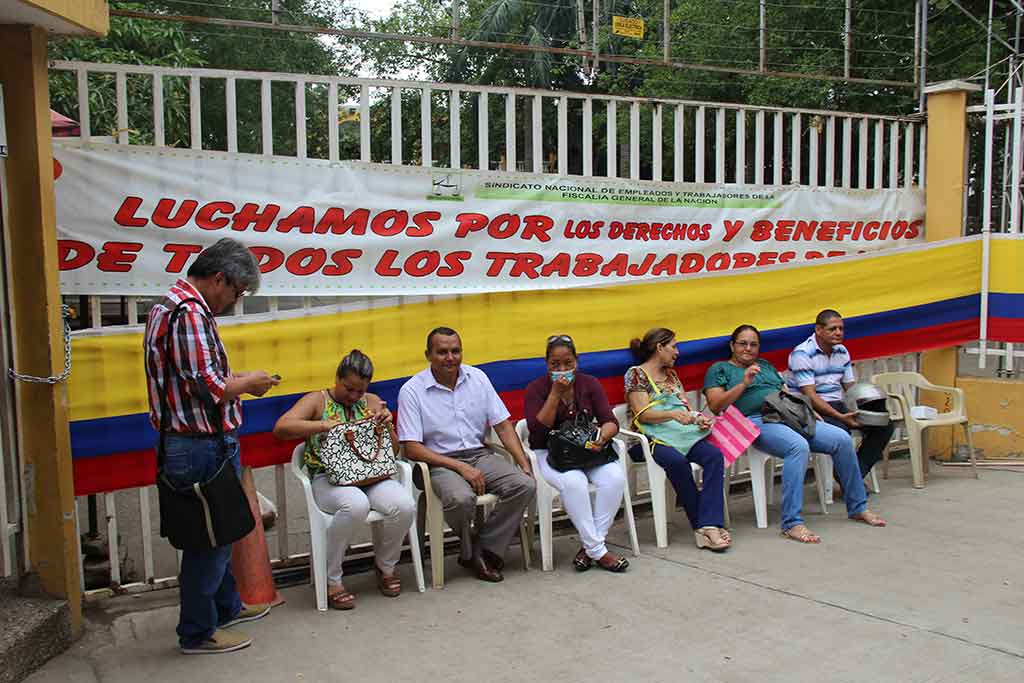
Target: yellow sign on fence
x: 628, y: 26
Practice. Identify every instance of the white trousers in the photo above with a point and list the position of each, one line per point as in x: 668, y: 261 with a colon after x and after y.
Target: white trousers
x: 592, y: 521
x: 349, y: 506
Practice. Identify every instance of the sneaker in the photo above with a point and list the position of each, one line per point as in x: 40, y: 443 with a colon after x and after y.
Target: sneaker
x: 220, y: 641
x: 248, y: 613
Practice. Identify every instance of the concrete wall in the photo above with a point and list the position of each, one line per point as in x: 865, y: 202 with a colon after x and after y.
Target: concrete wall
x: 996, y: 410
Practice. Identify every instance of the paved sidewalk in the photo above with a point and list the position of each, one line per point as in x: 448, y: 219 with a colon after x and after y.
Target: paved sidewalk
x: 937, y: 596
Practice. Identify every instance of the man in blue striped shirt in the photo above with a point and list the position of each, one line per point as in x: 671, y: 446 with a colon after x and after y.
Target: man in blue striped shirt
x: 820, y: 368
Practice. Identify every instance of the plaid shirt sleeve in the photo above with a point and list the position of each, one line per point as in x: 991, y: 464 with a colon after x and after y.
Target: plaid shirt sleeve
x: 198, y: 354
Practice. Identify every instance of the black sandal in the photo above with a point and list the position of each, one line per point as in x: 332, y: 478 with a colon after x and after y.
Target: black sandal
x: 582, y: 562
x: 620, y: 565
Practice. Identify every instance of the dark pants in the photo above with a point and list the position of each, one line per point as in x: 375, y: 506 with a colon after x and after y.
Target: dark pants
x: 873, y: 443
x: 705, y: 507
x: 206, y: 585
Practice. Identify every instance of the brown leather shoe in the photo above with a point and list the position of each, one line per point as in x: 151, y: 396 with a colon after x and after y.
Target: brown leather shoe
x: 493, y: 559
x: 483, y: 569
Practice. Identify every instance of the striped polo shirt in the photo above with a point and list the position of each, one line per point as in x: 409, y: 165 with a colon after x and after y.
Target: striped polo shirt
x: 808, y: 364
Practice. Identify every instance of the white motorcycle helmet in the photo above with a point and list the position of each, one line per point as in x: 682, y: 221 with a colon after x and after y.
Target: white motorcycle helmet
x: 869, y: 402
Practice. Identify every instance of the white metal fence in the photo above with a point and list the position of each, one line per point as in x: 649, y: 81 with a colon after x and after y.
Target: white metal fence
x: 442, y: 125
x: 661, y: 139
x: 506, y: 129
x: 995, y: 180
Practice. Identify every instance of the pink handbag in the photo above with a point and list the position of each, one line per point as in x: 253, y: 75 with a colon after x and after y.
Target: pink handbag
x: 733, y: 433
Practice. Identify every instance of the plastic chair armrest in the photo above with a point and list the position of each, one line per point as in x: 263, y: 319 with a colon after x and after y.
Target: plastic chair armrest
x: 645, y: 444
x: 632, y: 435
x: 928, y: 386
x: 424, y: 472
x: 620, y: 448
x: 499, y: 449
x: 959, y: 401
x: 404, y: 474
x: 901, y: 404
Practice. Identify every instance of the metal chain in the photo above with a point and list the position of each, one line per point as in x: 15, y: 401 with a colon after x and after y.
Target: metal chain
x: 54, y: 379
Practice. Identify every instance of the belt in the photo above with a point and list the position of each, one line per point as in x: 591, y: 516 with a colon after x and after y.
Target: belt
x: 201, y: 435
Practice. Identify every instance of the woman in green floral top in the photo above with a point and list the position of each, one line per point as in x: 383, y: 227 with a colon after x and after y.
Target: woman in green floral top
x: 317, y: 413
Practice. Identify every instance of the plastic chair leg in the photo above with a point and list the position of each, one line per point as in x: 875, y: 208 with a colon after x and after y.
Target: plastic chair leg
x: 435, y: 525
x: 526, y: 539
x: 757, y: 485
x: 421, y: 523
x: 873, y: 477
x: 656, y: 479
x: 770, y: 481
x: 417, y: 558
x: 970, y: 448
x: 725, y: 497
x: 318, y: 566
x: 544, y: 519
x: 627, y: 501
x: 916, y: 455
x: 823, y: 480
x: 827, y: 481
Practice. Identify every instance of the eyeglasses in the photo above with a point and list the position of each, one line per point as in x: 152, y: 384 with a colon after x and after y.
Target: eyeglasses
x: 239, y: 293
x: 560, y: 338
x: 748, y: 344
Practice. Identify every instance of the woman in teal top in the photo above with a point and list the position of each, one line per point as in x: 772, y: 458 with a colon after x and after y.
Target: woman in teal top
x: 764, y: 380
x: 744, y: 381
x: 317, y: 413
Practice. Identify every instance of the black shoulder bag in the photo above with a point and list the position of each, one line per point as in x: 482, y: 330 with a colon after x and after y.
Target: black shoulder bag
x: 567, y: 445
x: 206, y: 514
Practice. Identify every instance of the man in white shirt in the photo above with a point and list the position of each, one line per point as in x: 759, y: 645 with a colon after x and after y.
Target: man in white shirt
x: 443, y: 415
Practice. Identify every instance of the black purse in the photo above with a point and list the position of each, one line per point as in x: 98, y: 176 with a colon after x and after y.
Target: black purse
x: 208, y: 514
x: 567, y: 448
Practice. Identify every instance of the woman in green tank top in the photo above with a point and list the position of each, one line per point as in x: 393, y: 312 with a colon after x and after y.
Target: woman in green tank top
x: 315, y: 414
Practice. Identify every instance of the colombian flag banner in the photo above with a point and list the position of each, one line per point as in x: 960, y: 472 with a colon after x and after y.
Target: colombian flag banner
x: 903, y: 300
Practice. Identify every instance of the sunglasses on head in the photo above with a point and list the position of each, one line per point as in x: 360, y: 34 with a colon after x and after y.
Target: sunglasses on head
x: 560, y: 338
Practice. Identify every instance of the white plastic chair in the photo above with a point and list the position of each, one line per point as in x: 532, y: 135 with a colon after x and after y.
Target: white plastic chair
x: 320, y: 520
x: 871, y: 480
x: 660, y: 487
x: 901, y: 386
x: 435, y: 522
x: 764, y: 489
x: 546, y: 495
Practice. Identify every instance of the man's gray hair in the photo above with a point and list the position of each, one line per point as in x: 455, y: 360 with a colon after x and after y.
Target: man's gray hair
x: 232, y: 258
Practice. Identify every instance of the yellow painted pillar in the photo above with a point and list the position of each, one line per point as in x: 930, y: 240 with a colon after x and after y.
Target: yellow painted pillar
x: 31, y: 245
x: 945, y: 182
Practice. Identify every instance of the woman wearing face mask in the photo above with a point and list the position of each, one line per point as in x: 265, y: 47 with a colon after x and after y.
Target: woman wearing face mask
x: 658, y: 408
x: 317, y: 413
x: 560, y: 395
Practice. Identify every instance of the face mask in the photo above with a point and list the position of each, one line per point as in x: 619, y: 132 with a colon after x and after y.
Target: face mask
x: 568, y: 375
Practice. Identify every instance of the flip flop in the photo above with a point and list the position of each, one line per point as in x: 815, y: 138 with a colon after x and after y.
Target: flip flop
x: 801, y: 534
x: 871, y: 519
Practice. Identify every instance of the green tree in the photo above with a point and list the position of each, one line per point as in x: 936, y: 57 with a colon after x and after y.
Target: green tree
x: 173, y: 44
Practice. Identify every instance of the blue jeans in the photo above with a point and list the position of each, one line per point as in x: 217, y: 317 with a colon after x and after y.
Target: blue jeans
x: 782, y: 442
x: 207, y: 587
x: 704, y: 507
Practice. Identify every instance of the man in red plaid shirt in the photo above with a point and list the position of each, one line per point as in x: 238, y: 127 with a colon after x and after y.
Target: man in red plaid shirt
x: 188, y: 395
